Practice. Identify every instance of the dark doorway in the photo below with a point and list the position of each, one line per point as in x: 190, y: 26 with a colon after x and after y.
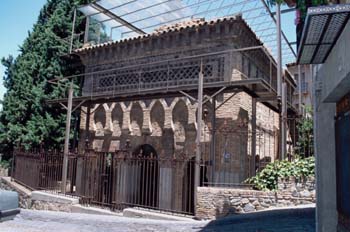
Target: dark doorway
x: 145, y: 151
x: 147, y: 159
x: 343, y: 164
x: 189, y: 182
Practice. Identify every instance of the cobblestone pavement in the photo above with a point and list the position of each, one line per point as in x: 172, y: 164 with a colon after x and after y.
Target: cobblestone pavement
x: 295, y: 220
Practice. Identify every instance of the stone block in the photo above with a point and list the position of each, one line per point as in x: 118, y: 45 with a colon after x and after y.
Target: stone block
x: 245, y: 201
x: 249, y: 208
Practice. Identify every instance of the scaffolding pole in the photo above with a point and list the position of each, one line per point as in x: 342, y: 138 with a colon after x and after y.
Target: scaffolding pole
x: 279, y: 51
x: 213, y: 138
x: 284, y: 121
x: 73, y: 28
x: 198, y: 139
x: 253, y: 144
x: 87, y: 25
x: 280, y: 81
x: 299, y: 89
x: 66, y: 139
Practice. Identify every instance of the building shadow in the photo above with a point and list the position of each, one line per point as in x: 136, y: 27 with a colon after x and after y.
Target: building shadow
x: 279, y: 220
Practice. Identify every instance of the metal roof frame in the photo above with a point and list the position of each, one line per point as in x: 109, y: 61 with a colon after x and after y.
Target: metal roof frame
x: 135, y: 17
x: 117, y: 18
x: 323, y: 26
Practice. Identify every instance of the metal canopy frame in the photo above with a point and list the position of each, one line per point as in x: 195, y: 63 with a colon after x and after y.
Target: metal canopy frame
x: 117, y: 18
x: 135, y: 17
x: 323, y: 26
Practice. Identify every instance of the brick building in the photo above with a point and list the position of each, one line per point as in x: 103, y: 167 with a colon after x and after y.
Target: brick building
x: 140, y: 96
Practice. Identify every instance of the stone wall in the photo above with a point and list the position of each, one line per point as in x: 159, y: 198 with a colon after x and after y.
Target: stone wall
x: 3, y: 171
x: 218, y: 202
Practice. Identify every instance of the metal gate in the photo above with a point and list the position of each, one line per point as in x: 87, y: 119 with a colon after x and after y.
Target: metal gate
x: 119, y: 180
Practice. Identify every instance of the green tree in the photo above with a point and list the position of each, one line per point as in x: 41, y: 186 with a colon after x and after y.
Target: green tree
x: 26, y: 118
x: 304, y: 145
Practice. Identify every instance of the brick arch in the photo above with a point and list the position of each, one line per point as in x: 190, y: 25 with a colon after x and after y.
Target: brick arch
x: 136, y: 119
x: 100, y: 120
x: 180, y: 112
x: 157, y: 119
x: 117, y: 120
x: 180, y: 122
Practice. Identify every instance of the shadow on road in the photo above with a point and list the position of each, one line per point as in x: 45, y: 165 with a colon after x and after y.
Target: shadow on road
x: 279, y: 220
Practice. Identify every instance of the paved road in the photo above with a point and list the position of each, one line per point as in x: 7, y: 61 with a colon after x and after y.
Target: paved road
x: 273, y: 221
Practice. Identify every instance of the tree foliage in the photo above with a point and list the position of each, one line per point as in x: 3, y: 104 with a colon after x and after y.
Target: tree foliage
x: 26, y: 119
x: 304, y: 145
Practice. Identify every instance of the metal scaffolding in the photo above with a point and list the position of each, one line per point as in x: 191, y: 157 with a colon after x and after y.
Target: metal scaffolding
x: 130, y: 18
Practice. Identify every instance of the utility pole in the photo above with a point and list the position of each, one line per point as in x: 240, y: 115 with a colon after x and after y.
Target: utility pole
x: 199, y: 133
x: 66, y: 139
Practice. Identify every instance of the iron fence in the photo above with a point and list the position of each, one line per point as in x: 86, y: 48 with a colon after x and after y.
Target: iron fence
x: 42, y: 170
x: 115, y: 180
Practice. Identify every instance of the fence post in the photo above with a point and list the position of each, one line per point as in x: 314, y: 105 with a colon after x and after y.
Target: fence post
x: 13, y: 165
x: 66, y: 139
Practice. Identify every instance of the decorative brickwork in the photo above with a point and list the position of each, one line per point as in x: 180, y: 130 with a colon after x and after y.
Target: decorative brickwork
x: 169, y: 125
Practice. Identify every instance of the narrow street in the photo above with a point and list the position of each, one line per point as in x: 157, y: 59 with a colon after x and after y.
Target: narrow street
x: 291, y: 220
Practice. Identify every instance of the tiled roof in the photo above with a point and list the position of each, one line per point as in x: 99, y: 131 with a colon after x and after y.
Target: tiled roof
x: 180, y: 26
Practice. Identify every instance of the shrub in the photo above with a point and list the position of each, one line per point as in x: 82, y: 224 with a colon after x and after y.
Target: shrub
x: 268, y: 177
x: 5, y: 164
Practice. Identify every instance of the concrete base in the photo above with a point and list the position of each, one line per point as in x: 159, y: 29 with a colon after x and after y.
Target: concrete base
x: 17, y: 187
x: 149, y: 214
x: 93, y: 210
x: 47, y: 197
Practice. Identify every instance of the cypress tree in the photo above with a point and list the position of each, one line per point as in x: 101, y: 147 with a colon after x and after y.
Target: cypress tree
x: 26, y: 118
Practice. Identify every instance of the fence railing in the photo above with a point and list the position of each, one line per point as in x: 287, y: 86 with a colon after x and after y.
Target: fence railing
x: 42, y: 170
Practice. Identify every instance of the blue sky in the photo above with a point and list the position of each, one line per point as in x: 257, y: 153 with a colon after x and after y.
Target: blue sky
x: 16, y: 19
x: 18, y: 16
